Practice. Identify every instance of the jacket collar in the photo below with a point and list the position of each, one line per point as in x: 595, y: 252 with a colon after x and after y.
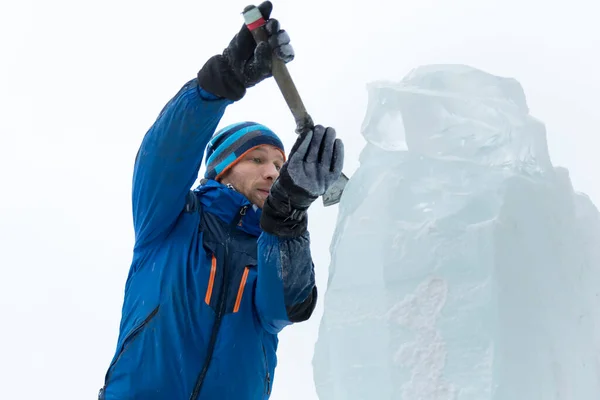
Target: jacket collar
x: 229, y: 206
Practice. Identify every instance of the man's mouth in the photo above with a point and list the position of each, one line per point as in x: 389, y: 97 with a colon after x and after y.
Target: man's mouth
x: 264, y: 191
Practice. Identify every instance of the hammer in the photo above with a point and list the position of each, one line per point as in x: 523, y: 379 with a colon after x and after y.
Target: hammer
x: 255, y: 23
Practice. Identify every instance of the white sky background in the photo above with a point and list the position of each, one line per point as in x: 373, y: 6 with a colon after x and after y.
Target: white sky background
x: 82, y: 81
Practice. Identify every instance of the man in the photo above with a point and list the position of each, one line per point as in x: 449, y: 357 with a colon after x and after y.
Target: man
x: 219, y: 271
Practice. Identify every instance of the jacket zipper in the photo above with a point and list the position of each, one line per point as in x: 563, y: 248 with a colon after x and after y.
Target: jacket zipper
x: 128, y: 340
x: 220, y: 312
x: 268, y: 375
x: 215, y: 329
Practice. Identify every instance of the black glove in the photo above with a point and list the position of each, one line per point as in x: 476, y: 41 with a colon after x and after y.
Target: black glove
x: 314, y: 164
x: 243, y: 64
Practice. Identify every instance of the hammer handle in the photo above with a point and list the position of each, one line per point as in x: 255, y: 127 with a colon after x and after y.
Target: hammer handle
x: 256, y: 24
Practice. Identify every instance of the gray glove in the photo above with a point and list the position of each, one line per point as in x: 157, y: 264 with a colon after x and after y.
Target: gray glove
x: 315, y: 163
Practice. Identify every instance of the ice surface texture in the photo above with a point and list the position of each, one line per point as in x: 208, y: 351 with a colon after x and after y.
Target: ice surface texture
x: 464, y: 265
x: 457, y: 112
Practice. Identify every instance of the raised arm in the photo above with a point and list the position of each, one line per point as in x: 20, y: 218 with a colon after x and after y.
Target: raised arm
x: 286, y: 291
x: 169, y: 158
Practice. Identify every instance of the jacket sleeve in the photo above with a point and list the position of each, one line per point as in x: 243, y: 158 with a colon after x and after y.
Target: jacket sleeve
x: 169, y: 158
x: 285, y: 290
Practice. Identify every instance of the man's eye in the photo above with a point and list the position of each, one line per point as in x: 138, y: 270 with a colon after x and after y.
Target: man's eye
x: 277, y: 167
x: 257, y: 160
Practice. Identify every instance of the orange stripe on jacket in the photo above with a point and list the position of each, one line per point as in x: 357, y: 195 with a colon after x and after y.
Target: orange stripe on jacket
x: 211, y: 280
x: 238, y: 300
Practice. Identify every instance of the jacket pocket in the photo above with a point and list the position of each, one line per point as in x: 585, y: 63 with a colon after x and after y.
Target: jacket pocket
x: 240, y: 293
x: 129, y: 339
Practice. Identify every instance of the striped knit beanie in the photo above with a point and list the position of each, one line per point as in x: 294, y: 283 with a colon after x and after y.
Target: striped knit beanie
x: 229, y: 144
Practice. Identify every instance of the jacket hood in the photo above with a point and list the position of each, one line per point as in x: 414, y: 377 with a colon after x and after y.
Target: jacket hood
x: 228, y: 204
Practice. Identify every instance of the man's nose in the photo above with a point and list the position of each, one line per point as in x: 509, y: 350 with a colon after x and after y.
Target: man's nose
x: 270, y: 171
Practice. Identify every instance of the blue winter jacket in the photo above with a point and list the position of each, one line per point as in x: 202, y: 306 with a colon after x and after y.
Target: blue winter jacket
x: 207, y: 291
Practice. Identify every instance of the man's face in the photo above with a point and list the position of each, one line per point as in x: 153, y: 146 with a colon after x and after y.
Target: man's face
x: 255, y: 172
